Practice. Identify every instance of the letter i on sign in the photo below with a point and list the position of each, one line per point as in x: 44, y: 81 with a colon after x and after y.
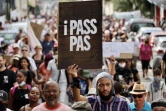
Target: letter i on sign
x: 65, y: 27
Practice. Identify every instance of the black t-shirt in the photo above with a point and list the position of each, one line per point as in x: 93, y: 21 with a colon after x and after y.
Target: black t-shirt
x: 20, y: 98
x: 7, y: 79
x: 164, y: 59
x: 134, y: 72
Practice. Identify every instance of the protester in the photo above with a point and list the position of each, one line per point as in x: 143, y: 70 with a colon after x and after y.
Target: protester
x: 145, y: 56
x: 118, y: 89
x: 159, y: 105
x: 34, y: 96
x: 16, y: 49
x: 3, y: 101
x: 7, y: 76
x: 18, y: 95
x: 58, y: 76
x: 47, y: 44
x: 24, y: 64
x: 51, y: 94
x: 163, y: 66
x: 139, y: 94
x: 1, y: 28
x: 81, y: 106
x: 156, y: 88
x: 14, y: 66
x: 26, y: 53
x: 38, y: 57
x: 105, y: 101
x: 43, y: 66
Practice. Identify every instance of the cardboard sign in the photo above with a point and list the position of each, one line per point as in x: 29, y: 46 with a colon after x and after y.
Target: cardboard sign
x: 37, y: 29
x: 9, y: 59
x: 118, y: 49
x: 80, y: 35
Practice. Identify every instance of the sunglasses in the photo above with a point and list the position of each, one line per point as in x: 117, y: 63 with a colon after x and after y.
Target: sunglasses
x: 139, y: 96
x: 24, y: 50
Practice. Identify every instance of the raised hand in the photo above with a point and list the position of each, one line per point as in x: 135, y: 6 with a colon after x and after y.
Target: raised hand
x: 72, y: 70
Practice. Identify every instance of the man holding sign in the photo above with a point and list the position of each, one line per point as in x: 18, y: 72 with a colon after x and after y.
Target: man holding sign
x: 105, y: 99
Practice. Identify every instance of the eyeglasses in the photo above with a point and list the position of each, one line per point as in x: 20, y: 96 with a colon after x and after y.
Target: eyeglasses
x: 49, y: 91
x: 24, y: 50
x: 139, y: 96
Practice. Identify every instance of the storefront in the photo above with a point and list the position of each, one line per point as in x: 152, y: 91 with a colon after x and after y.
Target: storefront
x: 160, y: 10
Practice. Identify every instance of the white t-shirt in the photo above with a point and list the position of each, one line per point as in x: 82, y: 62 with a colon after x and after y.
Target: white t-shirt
x: 159, y: 93
x: 8, y: 109
x: 42, y: 107
x: 33, y: 64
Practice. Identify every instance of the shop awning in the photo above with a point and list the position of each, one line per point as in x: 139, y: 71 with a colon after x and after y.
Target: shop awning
x: 159, y: 2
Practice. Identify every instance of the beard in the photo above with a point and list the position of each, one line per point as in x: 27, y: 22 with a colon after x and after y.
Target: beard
x: 105, y: 98
x: 52, y: 102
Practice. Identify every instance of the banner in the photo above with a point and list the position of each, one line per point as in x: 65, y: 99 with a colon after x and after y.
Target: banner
x: 80, y: 34
x: 118, y: 49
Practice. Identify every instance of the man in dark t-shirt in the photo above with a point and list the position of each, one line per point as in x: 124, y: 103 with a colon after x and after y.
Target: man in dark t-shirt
x: 163, y: 66
x: 7, y: 76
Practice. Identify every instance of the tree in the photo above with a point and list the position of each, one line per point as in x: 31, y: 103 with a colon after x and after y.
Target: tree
x: 146, y: 8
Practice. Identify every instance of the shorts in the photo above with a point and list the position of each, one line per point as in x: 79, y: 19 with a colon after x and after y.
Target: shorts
x: 145, y: 64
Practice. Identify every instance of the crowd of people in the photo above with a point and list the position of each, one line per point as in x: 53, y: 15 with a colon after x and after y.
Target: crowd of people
x: 34, y: 83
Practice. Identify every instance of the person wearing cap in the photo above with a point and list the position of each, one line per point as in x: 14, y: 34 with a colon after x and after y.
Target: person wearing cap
x: 47, y: 44
x: 51, y: 93
x: 14, y: 65
x: 139, y: 94
x: 18, y: 36
x: 3, y: 101
x: 159, y: 105
x: 156, y: 89
x: 15, y: 49
x: 105, y: 99
x: 24, y: 40
x: 81, y: 106
x: 38, y: 57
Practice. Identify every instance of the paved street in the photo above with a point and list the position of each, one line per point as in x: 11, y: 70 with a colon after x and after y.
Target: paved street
x: 150, y: 74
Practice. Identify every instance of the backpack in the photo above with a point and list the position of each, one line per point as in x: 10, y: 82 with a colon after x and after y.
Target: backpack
x: 14, y: 89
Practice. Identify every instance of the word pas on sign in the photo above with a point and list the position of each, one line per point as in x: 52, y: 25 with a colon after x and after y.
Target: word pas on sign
x: 81, y: 27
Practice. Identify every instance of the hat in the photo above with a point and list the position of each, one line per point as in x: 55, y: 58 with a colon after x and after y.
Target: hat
x: 16, y: 58
x: 23, y: 35
x: 92, y: 91
x: 17, y: 55
x: 138, y: 89
x: 38, y: 46
x: 159, y: 103
x: 81, y: 106
x: 3, y: 96
x: 15, y: 46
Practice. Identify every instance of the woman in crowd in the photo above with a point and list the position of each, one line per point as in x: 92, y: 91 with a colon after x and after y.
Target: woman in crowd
x: 145, y: 56
x: 43, y: 66
x: 38, y: 57
x: 24, y: 64
x: 18, y: 95
x: 34, y: 96
x: 14, y: 65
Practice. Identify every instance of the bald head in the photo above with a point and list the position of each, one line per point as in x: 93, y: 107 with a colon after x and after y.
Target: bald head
x: 50, y: 83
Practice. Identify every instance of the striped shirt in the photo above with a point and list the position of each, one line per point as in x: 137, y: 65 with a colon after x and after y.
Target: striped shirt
x: 116, y: 104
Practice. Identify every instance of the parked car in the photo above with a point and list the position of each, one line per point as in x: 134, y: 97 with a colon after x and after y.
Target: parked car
x: 158, y: 51
x: 154, y: 35
x: 135, y: 24
x: 147, y: 31
x: 8, y: 36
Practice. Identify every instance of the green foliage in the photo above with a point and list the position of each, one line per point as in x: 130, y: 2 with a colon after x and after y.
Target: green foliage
x: 146, y: 8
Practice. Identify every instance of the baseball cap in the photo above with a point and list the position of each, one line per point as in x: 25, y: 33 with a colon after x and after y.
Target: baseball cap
x: 15, y: 46
x: 3, y: 96
x: 81, y: 106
